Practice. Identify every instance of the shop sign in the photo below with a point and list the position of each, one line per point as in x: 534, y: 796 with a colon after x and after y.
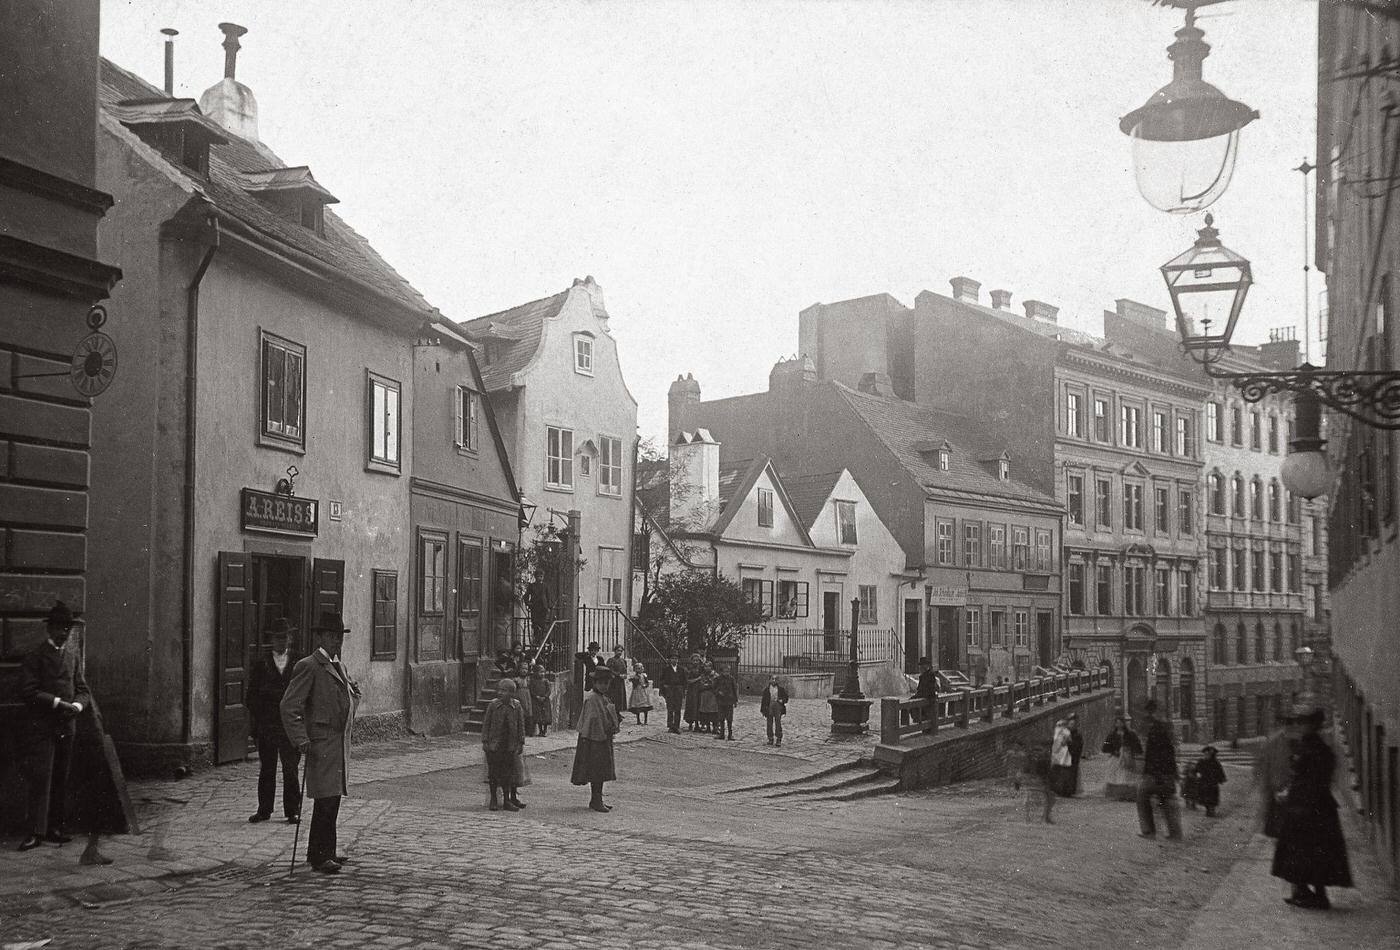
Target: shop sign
x: 947, y: 596
x: 282, y: 514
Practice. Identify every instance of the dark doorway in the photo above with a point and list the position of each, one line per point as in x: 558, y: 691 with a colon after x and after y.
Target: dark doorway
x: 911, y: 635
x: 948, y: 638
x: 1045, y: 636
x: 279, y: 590
x: 831, y: 619
x: 1135, y: 687
x: 503, y: 595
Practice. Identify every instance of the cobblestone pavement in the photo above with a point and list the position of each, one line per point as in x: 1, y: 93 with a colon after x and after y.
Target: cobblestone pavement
x: 680, y: 862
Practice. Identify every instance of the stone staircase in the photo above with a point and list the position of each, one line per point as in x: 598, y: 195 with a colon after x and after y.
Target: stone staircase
x: 840, y: 783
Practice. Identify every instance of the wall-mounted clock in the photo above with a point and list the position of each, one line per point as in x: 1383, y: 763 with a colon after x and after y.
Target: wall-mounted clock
x: 94, y: 364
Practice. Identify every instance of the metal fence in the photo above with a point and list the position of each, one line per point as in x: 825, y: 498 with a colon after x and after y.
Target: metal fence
x: 787, y: 649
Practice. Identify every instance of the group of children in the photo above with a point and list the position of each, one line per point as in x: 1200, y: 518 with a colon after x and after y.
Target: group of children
x: 710, y: 698
x: 531, y: 687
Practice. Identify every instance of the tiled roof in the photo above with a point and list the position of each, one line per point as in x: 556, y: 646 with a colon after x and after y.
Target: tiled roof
x: 516, y: 332
x: 808, y: 493
x: 905, y: 427
x: 731, y: 476
x: 341, y: 249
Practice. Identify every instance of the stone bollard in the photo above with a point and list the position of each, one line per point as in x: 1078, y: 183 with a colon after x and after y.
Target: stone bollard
x: 889, y: 720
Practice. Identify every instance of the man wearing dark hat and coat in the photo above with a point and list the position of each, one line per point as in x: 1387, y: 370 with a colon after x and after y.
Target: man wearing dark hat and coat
x: 1311, y: 853
x: 53, y: 688
x: 317, y: 711
x: 267, y: 683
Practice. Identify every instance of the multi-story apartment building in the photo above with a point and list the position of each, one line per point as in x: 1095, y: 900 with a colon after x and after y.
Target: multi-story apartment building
x: 980, y: 588
x: 1358, y: 248
x: 1113, y: 436
x: 1256, y: 599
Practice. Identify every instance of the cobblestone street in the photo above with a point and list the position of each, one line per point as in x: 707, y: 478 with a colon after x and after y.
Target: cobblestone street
x: 682, y: 861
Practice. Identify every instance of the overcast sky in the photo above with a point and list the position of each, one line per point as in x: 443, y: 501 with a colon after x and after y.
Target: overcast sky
x: 718, y: 166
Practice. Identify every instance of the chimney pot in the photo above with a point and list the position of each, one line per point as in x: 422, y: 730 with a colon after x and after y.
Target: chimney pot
x: 231, y: 31
x: 1041, y: 311
x: 170, y: 34
x: 965, y: 288
x: 1001, y: 299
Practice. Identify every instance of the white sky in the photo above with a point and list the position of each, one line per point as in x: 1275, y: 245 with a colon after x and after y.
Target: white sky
x: 718, y: 166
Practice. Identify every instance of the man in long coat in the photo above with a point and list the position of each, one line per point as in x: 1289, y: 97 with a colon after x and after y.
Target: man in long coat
x: 52, y: 686
x: 317, y: 711
x: 267, y: 684
x: 672, y: 684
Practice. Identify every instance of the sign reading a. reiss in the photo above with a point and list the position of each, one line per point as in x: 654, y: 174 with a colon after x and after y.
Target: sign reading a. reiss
x: 285, y: 514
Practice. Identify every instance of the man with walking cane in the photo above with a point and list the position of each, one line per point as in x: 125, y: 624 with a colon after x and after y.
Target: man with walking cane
x: 317, y: 711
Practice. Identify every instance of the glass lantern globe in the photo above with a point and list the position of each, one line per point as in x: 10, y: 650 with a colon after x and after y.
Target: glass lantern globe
x: 1207, y: 283
x: 1186, y: 136
x: 1306, y: 474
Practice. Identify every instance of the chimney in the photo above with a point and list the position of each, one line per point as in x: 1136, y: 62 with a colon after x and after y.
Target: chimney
x: 1144, y: 316
x: 965, y: 289
x: 792, y: 375
x: 1041, y: 311
x: 694, y: 479
x: 684, y: 393
x: 1001, y: 300
x: 170, y: 35
x: 1281, y: 352
x: 229, y: 102
x: 877, y: 384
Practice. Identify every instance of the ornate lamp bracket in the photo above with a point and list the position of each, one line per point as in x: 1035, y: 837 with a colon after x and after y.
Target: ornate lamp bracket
x: 1373, y: 398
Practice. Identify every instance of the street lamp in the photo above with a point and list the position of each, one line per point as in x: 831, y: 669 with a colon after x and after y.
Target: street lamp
x: 1186, y: 136
x: 1304, y: 655
x: 1207, y: 283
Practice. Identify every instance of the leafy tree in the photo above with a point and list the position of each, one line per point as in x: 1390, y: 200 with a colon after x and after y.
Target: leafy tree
x: 697, y: 611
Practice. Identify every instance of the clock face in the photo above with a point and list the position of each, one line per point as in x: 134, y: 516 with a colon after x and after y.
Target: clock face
x: 94, y: 364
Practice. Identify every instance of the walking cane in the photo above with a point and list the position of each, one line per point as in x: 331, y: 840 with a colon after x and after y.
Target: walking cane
x: 297, y: 836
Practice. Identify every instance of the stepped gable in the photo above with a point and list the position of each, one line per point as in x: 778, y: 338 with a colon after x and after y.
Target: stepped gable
x: 910, y: 431
x: 511, y: 337
x: 341, y: 249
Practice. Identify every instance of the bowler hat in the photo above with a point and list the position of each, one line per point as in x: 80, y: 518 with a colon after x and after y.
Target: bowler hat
x: 60, y: 616
x: 281, y: 627
x: 1308, y: 715
x: 330, y: 622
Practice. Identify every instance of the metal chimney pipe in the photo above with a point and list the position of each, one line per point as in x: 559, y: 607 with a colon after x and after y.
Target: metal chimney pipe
x: 231, y: 31
x: 170, y: 35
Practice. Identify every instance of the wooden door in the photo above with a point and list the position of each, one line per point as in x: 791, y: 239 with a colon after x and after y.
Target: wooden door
x: 831, y: 619
x: 235, y: 629
x: 948, y: 639
x: 911, y: 635
x: 1045, y: 637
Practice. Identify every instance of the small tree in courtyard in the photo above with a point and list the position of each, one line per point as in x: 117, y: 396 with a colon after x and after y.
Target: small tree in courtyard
x: 697, y: 611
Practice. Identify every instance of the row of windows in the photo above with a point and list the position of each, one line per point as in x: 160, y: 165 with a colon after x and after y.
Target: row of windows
x: 1226, y: 649
x: 1132, y: 590
x: 1162, y: 431
x: 560, y: 458
x: 995, y: 553
x: 283, y: 409
x: 997, y: 630
x: 1165, y: 514
x: 1239, y: 569
x: 793, y: 599
x: 1247, y: 499
x: 1263, y: 430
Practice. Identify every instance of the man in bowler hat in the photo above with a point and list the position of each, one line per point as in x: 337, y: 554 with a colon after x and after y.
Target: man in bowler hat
x: 267, y: 683
x: 317, y: 711
x: 53, y: 688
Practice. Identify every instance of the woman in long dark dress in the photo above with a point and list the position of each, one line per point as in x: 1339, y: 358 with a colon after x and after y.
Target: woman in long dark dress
x: 597, y: 724
x: 1311, y: 853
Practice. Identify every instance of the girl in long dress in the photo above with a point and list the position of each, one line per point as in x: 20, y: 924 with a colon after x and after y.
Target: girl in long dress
x: 597, y: 724
x: 639, y: 700
x: 1124, y: 747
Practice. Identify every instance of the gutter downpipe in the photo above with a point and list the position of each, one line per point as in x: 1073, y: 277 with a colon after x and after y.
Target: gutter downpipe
x: 191, y: 456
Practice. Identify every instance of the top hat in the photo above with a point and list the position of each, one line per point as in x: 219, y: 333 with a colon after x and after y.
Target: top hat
x: 330, y: 622
x: 281, y: 627
x: 1307, y: 714
x: 60, y: 616
x: 1209, y: 748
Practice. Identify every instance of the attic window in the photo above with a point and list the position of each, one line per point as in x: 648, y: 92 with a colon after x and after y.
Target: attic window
x: 1003, y: 469
x: 943, y: 460
x: 313, y: 218
x: 583, y: 354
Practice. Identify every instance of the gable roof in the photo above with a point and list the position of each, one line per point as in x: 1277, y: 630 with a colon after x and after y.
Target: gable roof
x: 737, y: 480
x: 909, y: 430
x: 233, y: 162
x: 516, y: 332
x: 809, y: 493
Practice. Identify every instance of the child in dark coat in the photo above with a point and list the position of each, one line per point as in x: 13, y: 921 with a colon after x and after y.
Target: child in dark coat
x: 1209, y: 777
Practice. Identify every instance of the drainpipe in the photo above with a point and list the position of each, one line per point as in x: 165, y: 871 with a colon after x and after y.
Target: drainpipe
x: 191, y: 428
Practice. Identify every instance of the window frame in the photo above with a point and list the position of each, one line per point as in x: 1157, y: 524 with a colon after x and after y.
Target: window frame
x: 467, y: 438
x: 1132, y: 506
x: 1021, y: 628
x: 1185, y: 511
x: 972, y: 543
x: 610, y: 464
x: 846, y: 530
x: 764, y: 589
x: 1103, y: 503
x: 869, y: 597
x: 972, y: 627
x: 611, y: 557
x: 1074, y: 498
x: 384, y: 632
x: 1074, y: 415
x: 267, y: 435
x: 1130, y: 429
x: 763, y: 501
x: 1161, y: 509
x: 583, y: 361
x: 1215, y: 431
x: 1160, y: 436
x: 374, y: 462
x: 1020, y: 548
x: 564, y: 458
x: 801, y: 599
x: 1075, y: 585
x: 945, y: 543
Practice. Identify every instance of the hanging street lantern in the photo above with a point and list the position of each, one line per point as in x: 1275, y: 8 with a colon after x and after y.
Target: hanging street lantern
x: 1305, y: 471
x: 1207, y: 283
x: 1186, y: 136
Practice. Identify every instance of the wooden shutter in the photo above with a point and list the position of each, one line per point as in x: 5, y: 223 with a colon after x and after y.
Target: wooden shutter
x: 235, y: 626
x: 327, y: 588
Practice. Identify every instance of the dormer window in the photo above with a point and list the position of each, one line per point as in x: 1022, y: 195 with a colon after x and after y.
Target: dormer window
x: 1003, y: 470
x: 583, y: 354
x: 945, y: 457
x: 291, y: 193
x: 174, y: 127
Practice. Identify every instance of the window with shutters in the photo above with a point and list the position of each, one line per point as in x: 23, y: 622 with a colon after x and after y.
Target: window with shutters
x: 759, y: 592
x: 792, y: 600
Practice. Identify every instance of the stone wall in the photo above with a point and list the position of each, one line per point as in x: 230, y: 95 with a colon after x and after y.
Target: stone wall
x: 979, y: 751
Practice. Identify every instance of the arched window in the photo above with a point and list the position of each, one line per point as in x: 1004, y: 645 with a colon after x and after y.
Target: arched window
x: 1215, y: 488
x: 1256, y: 499
x: 1260, y: 654
x: 1278, y: 640
x: 1241, y: 644
x: 1237, y: 489
x: 1275, y: 501
x: 1221, y: 646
